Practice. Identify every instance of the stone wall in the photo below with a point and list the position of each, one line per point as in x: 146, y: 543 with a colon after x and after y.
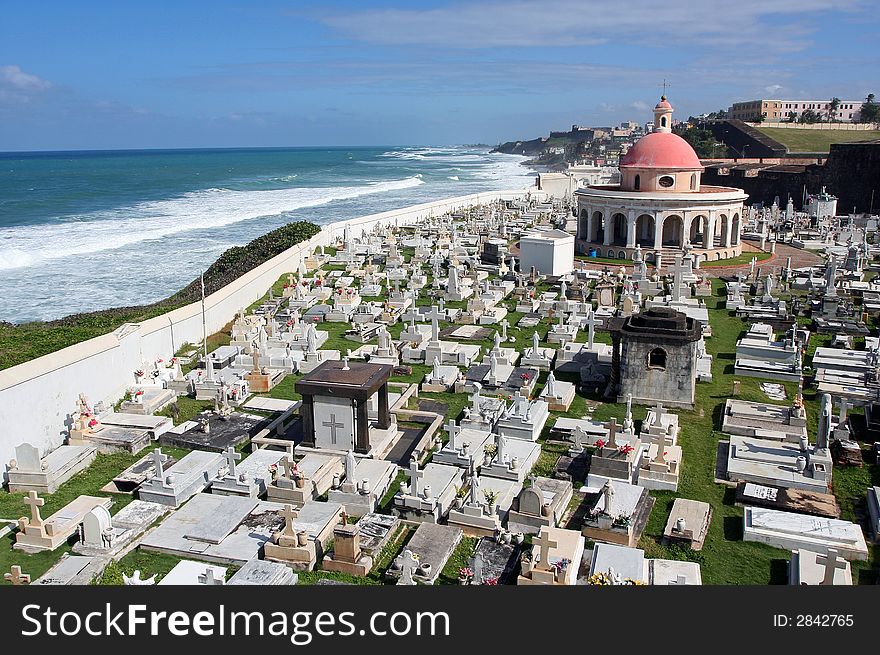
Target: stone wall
x: 851, y: 172
x: 671, y: 385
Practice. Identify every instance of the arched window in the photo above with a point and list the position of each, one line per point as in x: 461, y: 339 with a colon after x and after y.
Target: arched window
x: 694, y: 182
x: 637, y: 183
x: 657, y: 358
x: 663, y: 121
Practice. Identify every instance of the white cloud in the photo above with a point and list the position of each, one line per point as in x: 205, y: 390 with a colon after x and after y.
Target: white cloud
x: 16, y: 86
x: 553, y: 23
x: 640, y: 105
x: 773, y: 88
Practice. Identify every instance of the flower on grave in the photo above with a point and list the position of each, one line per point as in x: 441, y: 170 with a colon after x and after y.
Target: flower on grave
x: 139, y: 373
x: 561, y: 565
x: 525, y: 377
x: 93, y: 422
x: 173, y: 360
x: 600, y: 443
x: 160, y: 360
x: 465, y: 573
x: 273, y: 468
x: 625, y: 449
x: 492, y: 582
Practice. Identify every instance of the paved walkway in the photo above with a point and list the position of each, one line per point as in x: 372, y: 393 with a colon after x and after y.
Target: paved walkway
x: 799, y: 259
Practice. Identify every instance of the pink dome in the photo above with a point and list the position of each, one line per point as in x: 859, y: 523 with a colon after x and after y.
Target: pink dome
x: 661, y: 150
x: 663, y: 104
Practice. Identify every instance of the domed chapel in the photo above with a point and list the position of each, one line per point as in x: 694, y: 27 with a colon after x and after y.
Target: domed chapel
x: 660, y: 207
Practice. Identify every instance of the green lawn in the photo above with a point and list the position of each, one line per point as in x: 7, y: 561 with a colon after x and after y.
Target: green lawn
x: 806, y: 140
x: 725, y: 558
x: 739, y: 260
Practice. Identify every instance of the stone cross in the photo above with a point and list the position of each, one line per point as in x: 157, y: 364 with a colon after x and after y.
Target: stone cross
x: 677, y: 270
x: 591, y: 322
x: 333, y: 425
x: 288, y: 514
x: 408, y: 566
x: 435, y: 315
x: 231, y: 458
x: 287, y: 464
x: 660, y: 440
x: 831, y: 563
x: 545, y: 544
x: 504, y: 325
x: 612, y: 433
x: 35, y: 503
x: 453, y: 431
x: 159, y: 463
x: 16, y: 577
x: 415, y: 475
x: 208, y: 578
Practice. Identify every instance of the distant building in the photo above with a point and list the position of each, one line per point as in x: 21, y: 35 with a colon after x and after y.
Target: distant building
x: 779, y: 110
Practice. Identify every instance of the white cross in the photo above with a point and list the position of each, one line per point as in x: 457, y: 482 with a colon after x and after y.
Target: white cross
x: 408, y: 566
x: 208, y: 578
x: 158, y: 463
x: 415, y: 475
x: 677, y: 269
x: 831, y: 563
x: 591, y: 322
x: 453, y: 431
x: 231, y: 458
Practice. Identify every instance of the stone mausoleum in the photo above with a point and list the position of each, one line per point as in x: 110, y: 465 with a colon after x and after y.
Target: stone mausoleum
x: 660, y: 204
x: 654, y: 357
x: 345, y: 407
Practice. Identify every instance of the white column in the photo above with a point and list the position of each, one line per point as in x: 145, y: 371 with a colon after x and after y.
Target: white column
x: 658, y: 230
x: 631, y: 229
x: 709, y: 231
x: 609, y: 227
x: 727, y: 241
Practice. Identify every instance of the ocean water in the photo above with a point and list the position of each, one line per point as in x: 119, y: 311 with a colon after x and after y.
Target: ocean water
x: 81, y: 231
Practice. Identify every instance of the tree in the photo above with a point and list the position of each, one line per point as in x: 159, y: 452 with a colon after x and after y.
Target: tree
x: 759, y: 118
x: 832, y: 110
x: 870, y: 112
x: 792, y: 117
x: 809, y: 116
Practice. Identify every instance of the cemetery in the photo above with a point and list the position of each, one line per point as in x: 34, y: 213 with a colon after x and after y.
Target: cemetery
x: 461, y: 401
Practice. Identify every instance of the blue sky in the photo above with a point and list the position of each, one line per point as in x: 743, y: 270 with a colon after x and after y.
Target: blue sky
x: 216, y: 74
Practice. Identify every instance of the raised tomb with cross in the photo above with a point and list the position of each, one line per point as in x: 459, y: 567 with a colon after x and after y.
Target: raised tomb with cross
x: 37, y: 534
x: 555, y: 558
x: 249, y: 477
x: 365, y: 483
x: 336, y: 399
x: 616, y: 511
x: 299, y: 482
x: 429, y: 493
x: 483, y: 511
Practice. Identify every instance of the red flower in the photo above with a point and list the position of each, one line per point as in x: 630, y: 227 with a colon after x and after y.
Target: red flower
x: 600, y: 443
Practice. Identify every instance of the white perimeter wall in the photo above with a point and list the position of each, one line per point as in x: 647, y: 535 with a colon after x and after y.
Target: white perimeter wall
x: 38, y: 398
